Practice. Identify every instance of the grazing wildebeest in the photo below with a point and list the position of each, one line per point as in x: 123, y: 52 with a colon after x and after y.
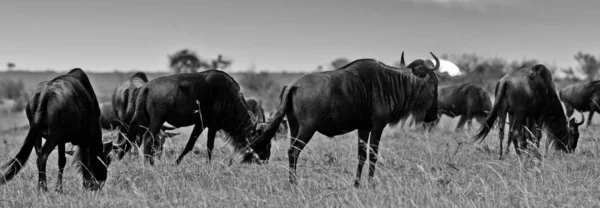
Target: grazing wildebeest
x: 122, y: 107
x: 528, y: 95
x: 64, y: 110
x: 209, y: 99
x: 582, y: 97
x: 465, y: 100
x: 365, y: 95
x: 255, y: 106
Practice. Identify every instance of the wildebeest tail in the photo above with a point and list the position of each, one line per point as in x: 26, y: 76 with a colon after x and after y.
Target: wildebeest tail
x: 138, y: 112
x: 491, y: 118
x: 16, y: 164
x: 286, y: 101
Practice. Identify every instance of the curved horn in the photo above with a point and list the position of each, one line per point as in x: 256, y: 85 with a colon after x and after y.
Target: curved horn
x: 582, y: 118
x: 437, y: 63
x: 402, y: 64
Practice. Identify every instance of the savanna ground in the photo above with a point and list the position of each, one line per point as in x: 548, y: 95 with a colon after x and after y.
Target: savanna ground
x: 415, y: 169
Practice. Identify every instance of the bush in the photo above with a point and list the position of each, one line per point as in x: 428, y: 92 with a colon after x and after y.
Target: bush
x: 14, y: 90
x: 11, y: 89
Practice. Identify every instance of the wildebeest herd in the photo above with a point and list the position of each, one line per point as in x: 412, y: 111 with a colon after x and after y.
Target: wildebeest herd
x: 364, y: 95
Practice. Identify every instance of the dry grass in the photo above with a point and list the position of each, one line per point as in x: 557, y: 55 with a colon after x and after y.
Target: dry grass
x: 415, y: 169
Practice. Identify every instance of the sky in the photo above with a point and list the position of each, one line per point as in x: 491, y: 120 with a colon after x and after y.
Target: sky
x: 282, y: 35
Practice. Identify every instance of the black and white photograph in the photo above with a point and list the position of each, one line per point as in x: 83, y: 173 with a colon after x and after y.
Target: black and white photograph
x: 289, y: 103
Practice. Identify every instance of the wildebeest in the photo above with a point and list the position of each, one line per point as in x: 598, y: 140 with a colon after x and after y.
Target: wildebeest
x: 528, y: 95
x: 365, y: 95
x: 465, y: 100
x: 123, y: 96
x: 582, y: 97
x: 64, y: 110
x: 209, y: 99
x: 255, y: 106
x: 118, y: 114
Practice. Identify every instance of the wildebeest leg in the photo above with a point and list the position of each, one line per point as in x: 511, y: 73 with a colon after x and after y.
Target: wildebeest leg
x: 538, y: 131
x: 591, y: 114
x: 210, y: 142
x: 150, y: 141
x: 374, y: 145
x: 531, y: 133
x: 296, y: 145
x: 501, y: 125
x: 62, y: 161
x: 363, y: 138
x: 41, y: 162
x: 516, y: 128
x: 461, y: 122
x: 191, y: 142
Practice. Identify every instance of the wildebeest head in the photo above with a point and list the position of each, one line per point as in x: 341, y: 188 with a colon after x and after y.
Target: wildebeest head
x: 572, y: 135
x: 99, y: 166
x: 422, y: 70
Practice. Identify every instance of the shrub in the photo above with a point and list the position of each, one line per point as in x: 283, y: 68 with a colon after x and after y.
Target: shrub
x: 11, y: 89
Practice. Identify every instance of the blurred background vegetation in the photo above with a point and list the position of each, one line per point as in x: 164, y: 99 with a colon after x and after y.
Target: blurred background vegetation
x: 17, y: 84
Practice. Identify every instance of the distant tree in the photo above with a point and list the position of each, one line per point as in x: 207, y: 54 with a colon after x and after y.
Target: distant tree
x: 569, y: 73
x: 185, y: 61
x: 10, y: 66
x: 339, y: 62
x: 319, y: 68
x: 220, y: 63
x: 588, y: 63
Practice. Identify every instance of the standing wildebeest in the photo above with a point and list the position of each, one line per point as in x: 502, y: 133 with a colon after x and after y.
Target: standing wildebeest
x: 582, y: 97
x: 365, y: 95
x: 465, y: 100
x: 255, y: 106
x: 528, y: 95
x: 64, y: 110
x: 209, y: 99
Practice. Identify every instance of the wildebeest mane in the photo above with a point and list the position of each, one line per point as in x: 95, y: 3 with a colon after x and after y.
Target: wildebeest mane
x: 379, y: 79
x: 235, y: 122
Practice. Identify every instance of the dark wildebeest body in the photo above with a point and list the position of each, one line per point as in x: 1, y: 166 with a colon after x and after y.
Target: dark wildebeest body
x: 177, y: 98
x: 255, y: 106
x: 528, y: 95
x: 582, y: 97
x: 365, y: 95
x: 123, y: 96
x: 465, y: 100
x: 122, y: 108
x: 109, y: 121
x: 64, y: 110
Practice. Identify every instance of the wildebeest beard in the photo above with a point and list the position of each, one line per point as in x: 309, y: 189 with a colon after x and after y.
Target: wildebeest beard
x: 238, y: 123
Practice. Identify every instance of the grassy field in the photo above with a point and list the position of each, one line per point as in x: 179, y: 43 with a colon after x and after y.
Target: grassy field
x: 415, y: 169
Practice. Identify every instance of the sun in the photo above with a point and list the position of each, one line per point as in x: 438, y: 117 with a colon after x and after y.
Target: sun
x: 447, y: 66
